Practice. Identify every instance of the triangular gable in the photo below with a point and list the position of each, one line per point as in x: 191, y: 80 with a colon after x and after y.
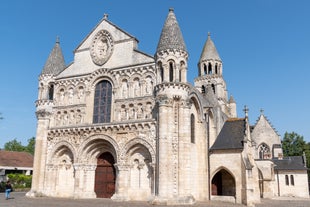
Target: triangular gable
x: 106, y: 25
x: 106, y: 46
x: 263, y: 132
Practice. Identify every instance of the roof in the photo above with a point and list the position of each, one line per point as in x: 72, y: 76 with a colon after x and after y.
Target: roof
x: 55, y: 62
x: 16, y: 159
x: 290, y: 163
x: 209, y: 51
x: 171, y: 36
x: 231, y: 135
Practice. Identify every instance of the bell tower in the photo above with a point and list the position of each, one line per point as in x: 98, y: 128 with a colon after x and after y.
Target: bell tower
x: 210, y: 76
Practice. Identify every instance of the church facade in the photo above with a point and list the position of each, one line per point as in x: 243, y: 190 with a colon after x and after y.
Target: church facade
x: 121, y: 124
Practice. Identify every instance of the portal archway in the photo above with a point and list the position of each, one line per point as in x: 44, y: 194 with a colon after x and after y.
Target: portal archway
x: 223, y: 184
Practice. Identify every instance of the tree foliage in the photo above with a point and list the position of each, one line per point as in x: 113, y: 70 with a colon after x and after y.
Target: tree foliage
x: 293, y: 144
x: 14, y: 145
x: 17, y: 146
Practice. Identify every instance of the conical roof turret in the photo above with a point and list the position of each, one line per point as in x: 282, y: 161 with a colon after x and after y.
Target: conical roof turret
x: 55, y: 62
x: 171, y: 35
x: 209, y: 51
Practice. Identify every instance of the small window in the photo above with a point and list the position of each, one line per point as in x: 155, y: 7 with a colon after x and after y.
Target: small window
x: 209, y: 68
x: 205, y: 69
x: 216, y: 69
x: 51, y: 92
x: 192, y: 128
x: 161, y: 71
x: 292, y: 180
x: 213, y: 88
x: 203, y: 89
x: 286, y: 180
x: 170, y: 71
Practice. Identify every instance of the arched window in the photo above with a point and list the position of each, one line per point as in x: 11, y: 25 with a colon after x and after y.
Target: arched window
x: 213, y: 88
x: 161, y: 71
x: 264, y: 151
x: 292, y: 180
x: 286, y: 180
x: 216, y: 68
x: 205, y: 69
x: 170, y: 71
x: 192, y: 128
x: 209, y: 68
x: 51, y: 92
x: 203, y: 89
x: 102, y: 102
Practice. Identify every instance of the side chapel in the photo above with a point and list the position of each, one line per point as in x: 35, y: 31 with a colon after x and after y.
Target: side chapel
x: 122, y: 124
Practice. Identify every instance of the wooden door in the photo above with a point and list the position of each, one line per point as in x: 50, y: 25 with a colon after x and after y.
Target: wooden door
x: 105, y: 176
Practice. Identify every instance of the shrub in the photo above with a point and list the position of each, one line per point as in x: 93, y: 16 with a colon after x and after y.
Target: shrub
x: 20, y: 180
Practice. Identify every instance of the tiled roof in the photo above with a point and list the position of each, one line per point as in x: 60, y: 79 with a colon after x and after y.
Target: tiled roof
x: 231, y: 135
x: 16, y: 159
x: 55, y: 62
x: 171, y: 36
x: 290, y: 163
x: 209, y: 51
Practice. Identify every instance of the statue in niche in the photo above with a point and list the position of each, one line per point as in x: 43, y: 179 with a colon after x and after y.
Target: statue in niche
x: 124, y: 89
x: 140, y: 112
x: 65, y: 119
x: 62, y: 95
x: 81, y: 94
x: 137, y: 88
x: 131, y: 113
x: 149, y: 86
x: 70, y: 95
x: 78, y: 119
x: 71, y: 117
x: 123, y: 114
x: 58, y: 119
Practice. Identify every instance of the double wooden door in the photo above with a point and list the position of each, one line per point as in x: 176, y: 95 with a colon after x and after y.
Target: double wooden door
x: 105, y: 176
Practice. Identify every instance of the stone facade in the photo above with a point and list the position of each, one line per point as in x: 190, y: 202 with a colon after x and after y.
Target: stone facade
x: 121, y: 124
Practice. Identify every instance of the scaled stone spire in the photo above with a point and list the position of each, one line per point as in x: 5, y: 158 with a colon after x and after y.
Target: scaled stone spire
x: 171, y: 35
x: 55, y: 62
x: 209, y: 51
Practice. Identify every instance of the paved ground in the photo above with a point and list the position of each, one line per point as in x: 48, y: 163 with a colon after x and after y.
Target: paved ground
x: 19, y: 200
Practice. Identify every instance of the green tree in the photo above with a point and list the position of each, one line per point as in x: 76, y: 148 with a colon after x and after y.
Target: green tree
x: 14, y: 145
x: 30, y: 146
x: 293, y: 144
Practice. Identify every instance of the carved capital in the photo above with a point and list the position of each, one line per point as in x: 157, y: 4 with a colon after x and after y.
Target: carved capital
x: 41, y: 114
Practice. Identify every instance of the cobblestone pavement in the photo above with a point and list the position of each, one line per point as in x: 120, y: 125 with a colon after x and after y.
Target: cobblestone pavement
x: 20, y: 200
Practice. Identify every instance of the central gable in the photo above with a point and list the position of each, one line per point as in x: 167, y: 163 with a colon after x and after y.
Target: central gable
x: 106, y: 46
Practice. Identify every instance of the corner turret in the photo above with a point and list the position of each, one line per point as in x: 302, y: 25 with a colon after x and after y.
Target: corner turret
x: 171, y: 53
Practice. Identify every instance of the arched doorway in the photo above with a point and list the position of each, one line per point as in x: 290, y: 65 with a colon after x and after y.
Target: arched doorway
x: 105, y: 176
x: 223, y: 184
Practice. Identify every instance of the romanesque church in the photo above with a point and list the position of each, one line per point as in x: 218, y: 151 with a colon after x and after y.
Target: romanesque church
x: 122, y: 124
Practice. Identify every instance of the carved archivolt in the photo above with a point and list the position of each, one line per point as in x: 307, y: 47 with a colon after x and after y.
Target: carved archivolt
x: 141, y: 143
x: 94, y: 145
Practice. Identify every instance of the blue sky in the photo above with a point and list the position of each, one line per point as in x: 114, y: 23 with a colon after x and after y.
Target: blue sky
x: 264, y: 45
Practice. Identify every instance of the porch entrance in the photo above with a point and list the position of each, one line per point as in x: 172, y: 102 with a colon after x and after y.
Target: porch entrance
x: 105, y: 176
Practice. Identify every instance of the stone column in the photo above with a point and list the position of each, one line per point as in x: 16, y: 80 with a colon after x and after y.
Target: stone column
x: 39, y: 163
x: 89, y: 181
x: 121, y: 190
